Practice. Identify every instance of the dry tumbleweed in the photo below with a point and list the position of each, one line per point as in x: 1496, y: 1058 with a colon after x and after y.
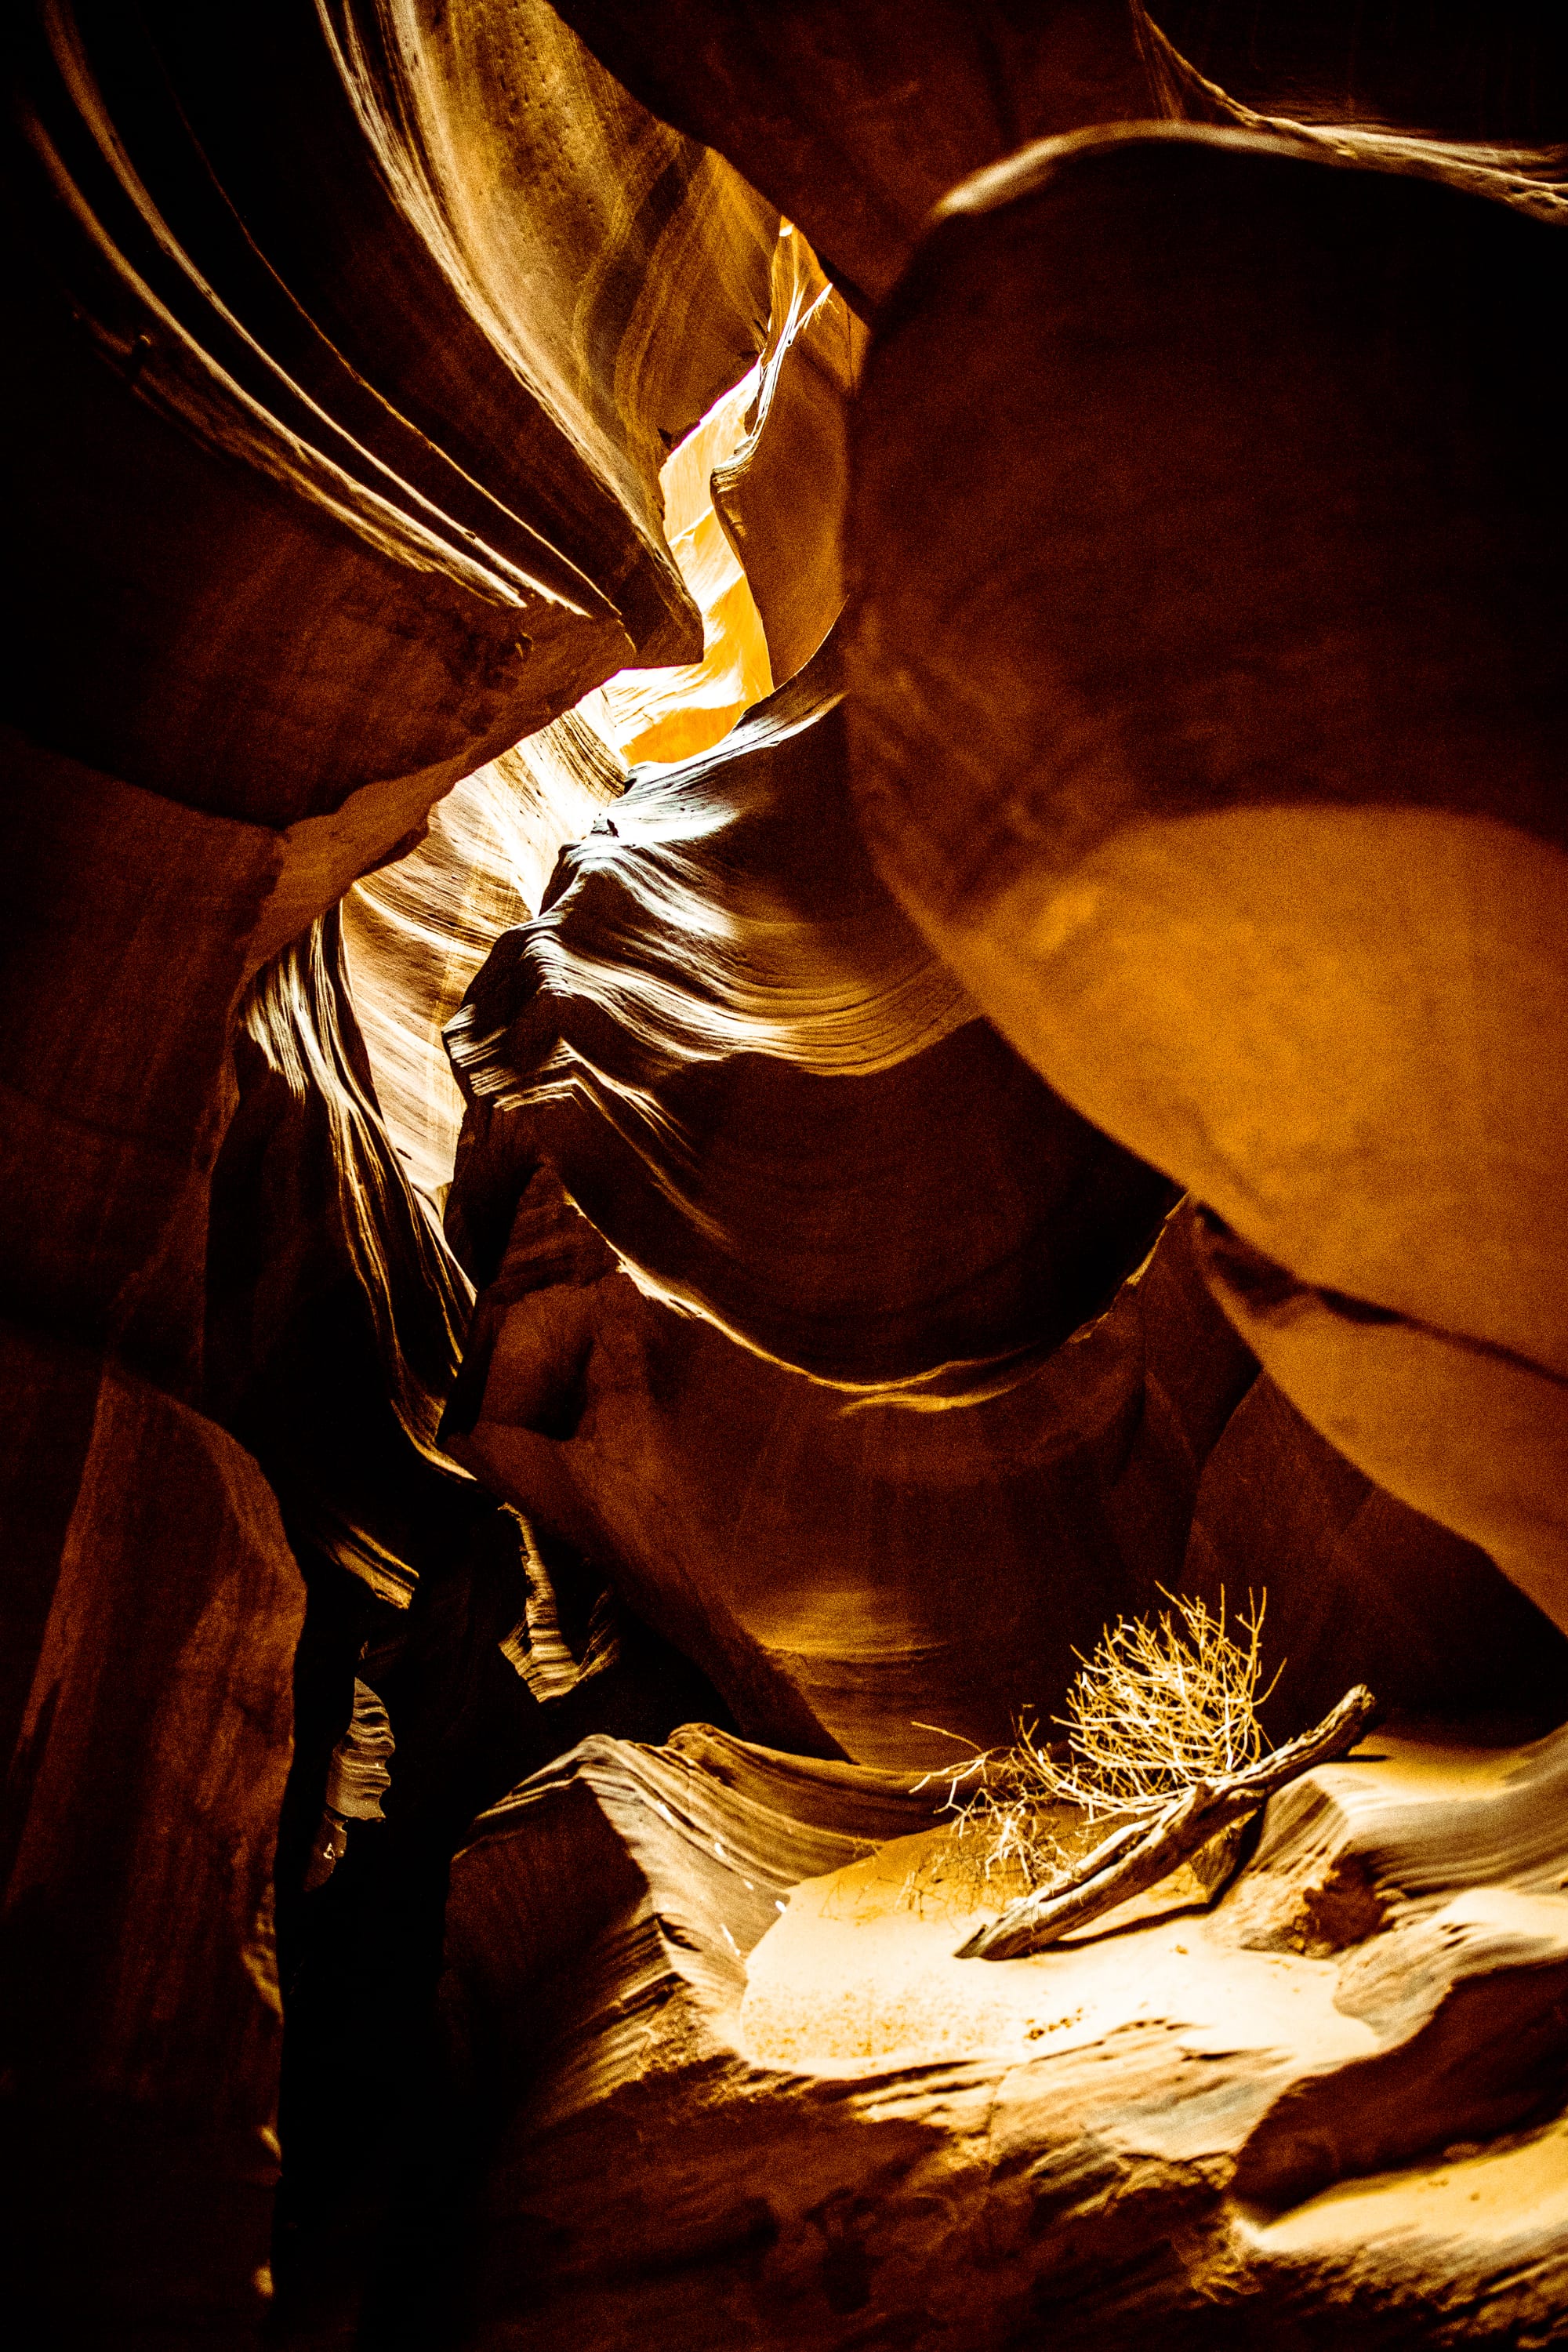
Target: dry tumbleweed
x: 1163, y: 1752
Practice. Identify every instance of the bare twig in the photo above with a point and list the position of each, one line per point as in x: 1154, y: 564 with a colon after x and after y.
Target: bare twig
x: 1158, y: 1706
x: 1115, y: 1873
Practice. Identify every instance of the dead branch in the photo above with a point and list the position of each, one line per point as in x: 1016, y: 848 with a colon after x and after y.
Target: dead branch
x: 1115, y: 1873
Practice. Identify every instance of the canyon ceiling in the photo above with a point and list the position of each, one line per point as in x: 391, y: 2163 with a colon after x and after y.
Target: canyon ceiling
x: 785, y: 883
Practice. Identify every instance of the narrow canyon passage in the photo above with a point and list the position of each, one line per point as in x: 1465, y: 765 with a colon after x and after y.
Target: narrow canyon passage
x: 784, y: 1091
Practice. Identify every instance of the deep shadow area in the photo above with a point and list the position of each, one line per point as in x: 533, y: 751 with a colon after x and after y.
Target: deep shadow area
x: 379, y: 2155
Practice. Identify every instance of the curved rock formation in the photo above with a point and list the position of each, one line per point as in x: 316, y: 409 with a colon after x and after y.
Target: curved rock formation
x: 1491, y: 77
x: 450, y: 457
x: 873, y: 1582
x: 416, y: 932
x: 741, y: 2109
x: 1206, y: 653
x: 151, y: 1611
x: 335, y: 1318
x: 780, y: 495
x: 789, y: 1286
x: 336, y: 1314
x: 1248, y: 829
x: 858, y: 118
x: 345, y: 382
x: 1359, y: 1586
x: 1249, y: 834
x: 721, y: 1075
x: 728, y: 1041
x: 670, y: 714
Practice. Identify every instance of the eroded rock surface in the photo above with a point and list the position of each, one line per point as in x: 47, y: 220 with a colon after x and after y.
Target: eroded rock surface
x: 929, y: 99
x: 152, y: 1608
x: 1291, y: 657
x: 720, y: 1074
x: 789, y: 1286
x: 291, y: 285
x: 857, y: 120
x: 730, y: 1042
x: 780, y: 495
x: 735, y: 2110
x: 354, y: 342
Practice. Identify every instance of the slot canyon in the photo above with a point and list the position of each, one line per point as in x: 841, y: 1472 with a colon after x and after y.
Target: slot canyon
x: 785, y: 938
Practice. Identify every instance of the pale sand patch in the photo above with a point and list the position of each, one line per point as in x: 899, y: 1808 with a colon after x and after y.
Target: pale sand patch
x: 856, y: 1977
x: 1496, y: 2195
x: 1415, y: 1767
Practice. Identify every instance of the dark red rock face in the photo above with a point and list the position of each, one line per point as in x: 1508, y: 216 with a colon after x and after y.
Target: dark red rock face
x: 355, y: 507
x: 479, y: 1640
x: 311, y: 514
x: 1280, y: 645
x: 153, y: 1609
x: 736, y: 1053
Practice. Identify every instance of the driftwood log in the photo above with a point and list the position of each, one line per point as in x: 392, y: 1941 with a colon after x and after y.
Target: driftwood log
x: 1138, y: 1855
x: 350, y: 340
x: 730, y: 2108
